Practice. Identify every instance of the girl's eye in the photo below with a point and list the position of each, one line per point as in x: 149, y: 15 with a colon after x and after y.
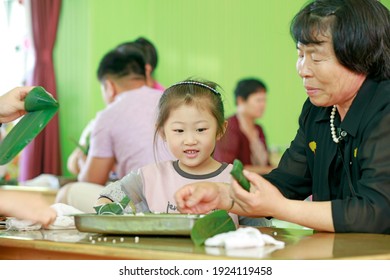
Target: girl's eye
x: 178, y: 130
x: 201, y: 129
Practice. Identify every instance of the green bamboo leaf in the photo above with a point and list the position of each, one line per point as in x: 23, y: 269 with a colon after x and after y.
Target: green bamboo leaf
x: 23, y: 133
x: 236, y: 172
x: 39, y: 99
x: 214, y: 223
x: 114, y: 208
x: 41, y: 108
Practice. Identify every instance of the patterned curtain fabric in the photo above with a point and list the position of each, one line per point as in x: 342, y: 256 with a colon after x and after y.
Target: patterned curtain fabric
x: 42, y: 155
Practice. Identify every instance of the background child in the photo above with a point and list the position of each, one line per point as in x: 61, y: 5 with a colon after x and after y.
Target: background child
x: 191, y: 120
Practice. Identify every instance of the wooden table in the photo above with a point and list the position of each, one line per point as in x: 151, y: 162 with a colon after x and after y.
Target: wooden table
x: 300, y: 245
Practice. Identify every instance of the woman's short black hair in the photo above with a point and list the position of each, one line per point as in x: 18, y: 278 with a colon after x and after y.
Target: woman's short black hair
x: 246, y: 87
x: 359, y: 29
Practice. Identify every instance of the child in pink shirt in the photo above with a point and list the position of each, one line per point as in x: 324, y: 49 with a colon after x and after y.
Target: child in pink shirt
x: 191, y: 120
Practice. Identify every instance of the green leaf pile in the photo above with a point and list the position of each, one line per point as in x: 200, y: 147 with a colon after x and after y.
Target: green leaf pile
x: 211, y: 224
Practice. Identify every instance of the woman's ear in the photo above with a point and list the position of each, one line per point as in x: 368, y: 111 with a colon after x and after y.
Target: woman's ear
x: 240, y: 100
x: 222, y: 133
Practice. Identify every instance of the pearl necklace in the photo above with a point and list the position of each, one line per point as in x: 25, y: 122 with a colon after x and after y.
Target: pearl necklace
x: 332, y: 128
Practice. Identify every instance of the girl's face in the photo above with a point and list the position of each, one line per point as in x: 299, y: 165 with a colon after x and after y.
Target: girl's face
x: 191, y: 133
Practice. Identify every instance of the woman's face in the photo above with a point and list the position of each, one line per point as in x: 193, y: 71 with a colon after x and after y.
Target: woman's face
x: 254, y: 105
x: 326, y: 81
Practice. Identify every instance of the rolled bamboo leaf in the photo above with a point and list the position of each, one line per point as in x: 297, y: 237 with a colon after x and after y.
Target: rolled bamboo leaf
x: 41, y: 108
x: 114, y: 208
x: 211, y: 224
x: 236, y: 172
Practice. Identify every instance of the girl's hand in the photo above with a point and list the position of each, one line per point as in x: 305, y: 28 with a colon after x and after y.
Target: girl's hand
x: 202, y: 197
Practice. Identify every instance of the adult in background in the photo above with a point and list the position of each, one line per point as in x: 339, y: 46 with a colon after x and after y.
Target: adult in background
x: 244, y: 138
x: 122, y: 135
x: 149, y: 52
x: 341, y: 152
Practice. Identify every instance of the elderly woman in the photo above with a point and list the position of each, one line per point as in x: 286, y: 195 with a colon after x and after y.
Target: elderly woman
x: 341, y: 152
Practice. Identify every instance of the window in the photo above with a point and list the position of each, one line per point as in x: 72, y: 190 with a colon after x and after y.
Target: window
x: 15, y: 44
x: 15, y: 47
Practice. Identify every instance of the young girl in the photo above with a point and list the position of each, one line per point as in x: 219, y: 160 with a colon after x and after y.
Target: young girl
x: 191, y: 120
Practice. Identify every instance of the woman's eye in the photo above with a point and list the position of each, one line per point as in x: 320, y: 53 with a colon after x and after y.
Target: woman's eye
x: 178, y: 130
x: 317, y: 58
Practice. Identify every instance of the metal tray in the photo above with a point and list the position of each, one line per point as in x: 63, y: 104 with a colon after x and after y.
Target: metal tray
x: 145, y: 224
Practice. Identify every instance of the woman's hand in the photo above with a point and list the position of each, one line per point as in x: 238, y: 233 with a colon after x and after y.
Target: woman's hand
x: 263, y: 200
x: 12, y: 104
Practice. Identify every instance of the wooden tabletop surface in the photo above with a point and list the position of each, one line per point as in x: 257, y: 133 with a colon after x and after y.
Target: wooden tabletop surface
x: 299, y: 245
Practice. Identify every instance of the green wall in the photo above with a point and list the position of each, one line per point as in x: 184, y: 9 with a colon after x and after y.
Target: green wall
x: 219, y: 40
